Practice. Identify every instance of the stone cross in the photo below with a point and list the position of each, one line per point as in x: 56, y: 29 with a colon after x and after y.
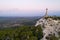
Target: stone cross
x: 46, y: 14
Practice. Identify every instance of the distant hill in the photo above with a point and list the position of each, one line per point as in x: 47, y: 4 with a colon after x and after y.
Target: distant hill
x: 9, y: 21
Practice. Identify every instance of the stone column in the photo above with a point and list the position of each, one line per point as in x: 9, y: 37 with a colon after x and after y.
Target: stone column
x: 46, y: 14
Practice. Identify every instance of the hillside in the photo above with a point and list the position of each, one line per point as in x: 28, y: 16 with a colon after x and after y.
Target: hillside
x: 50, y: 26
x: 45, y: 28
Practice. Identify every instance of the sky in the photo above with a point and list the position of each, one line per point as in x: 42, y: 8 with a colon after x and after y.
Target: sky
x: 27, y: 7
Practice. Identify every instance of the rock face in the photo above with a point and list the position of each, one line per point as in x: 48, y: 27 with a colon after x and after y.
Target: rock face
x: 49, y: 27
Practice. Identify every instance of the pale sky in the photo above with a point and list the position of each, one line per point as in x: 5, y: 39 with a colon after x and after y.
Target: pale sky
x: 29, y: 5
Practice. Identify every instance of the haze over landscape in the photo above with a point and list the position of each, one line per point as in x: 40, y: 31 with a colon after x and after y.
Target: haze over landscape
x: 29, y: 19
x: 29, y: 7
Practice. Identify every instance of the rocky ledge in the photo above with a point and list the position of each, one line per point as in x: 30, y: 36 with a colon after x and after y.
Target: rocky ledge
x: 49, y: 26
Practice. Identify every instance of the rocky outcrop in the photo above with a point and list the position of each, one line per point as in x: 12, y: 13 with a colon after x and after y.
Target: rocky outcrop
x: 49, y: 27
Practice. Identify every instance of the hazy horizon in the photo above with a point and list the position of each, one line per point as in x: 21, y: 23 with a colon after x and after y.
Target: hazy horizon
x: 29, y: 7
